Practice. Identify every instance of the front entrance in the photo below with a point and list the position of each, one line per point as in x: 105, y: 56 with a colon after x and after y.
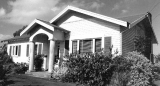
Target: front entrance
x: 42, y: 46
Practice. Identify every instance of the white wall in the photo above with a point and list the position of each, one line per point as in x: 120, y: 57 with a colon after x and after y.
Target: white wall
x: 90, y: 28
x: 23, y: 57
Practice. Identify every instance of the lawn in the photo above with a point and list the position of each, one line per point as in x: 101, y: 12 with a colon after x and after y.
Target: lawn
x: 24, y: 80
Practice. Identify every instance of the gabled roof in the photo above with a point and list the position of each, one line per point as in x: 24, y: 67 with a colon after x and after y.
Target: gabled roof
x: 42, y: 23
x: 89, y: 13
x: 36, y: 21
x: 132, y: 18
x: 135, y: 19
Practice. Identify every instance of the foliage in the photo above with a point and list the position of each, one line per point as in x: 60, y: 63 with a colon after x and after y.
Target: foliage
x: 101, y: 70
x: 19, y: 68
x: 17, y: 33
x: 121, y: 73
x: 59, y: 72
x: 157, y: 58
x: 89, y: 69
x: 38, y: 62
x: 142, y: 45
x: 5, y: 62
x: 156, y: 71
x: 141, y: 70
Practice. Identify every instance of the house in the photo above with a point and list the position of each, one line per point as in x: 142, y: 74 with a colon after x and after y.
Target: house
x: 75, y: 29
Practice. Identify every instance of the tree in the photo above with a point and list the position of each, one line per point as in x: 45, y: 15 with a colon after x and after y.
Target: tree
x: 17, y: 33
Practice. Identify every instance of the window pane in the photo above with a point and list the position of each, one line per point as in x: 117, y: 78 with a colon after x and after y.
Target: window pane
x: 35, y: 49
x: 27, y: 53
x: 16, y: 50
x: 97, y: 45
x: 19, y: 50
x: 10, y: 50
x: 13, y: 50
x: 87, y: 46
x: 74, y: 46
x: 39, y: 49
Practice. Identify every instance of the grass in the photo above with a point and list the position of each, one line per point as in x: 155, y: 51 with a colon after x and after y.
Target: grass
x: 24, y: 80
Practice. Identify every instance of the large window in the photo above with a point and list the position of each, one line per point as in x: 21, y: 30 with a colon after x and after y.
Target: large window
x: 86, y: 45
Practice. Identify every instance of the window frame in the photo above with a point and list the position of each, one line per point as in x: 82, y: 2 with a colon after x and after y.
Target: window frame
x: 15, y: 50
x: 92, y: 46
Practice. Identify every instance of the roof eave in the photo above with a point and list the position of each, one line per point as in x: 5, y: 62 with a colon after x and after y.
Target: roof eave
x: 99, y: 16
x: 36, y: 21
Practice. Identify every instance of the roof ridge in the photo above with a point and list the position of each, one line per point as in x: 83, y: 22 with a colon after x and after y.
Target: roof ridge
x: 132, y: 15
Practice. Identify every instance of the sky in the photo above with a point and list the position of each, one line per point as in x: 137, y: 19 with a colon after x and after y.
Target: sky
x: 14, y: 14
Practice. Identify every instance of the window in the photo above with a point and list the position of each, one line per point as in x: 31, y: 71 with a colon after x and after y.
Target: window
x: 86, y: 45
x: 74, y: 46
x: 97, y: 45
x: 10, y: 50
x: 38, y: 48
x: 27, y: 51
x: 16, y: 51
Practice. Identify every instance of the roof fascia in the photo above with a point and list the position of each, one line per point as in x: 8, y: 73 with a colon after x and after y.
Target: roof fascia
x: 38, y: 22
x: 99, y: 16
x: 136, y: 21
x: 152, y: 29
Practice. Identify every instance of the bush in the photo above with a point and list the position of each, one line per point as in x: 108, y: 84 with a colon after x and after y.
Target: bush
x: 5, y: 62
x: 141, y: 70
x: 89, y: 69
x: 101, y: 70
x: 120, y: 76
x: 19, y: 68
x: 38, y: 62
x: 59, y: 72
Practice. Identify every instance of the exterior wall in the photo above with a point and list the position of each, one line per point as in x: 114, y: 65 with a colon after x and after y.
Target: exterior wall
x: 22, y: 57
x: 128, y: 38
x: 81, y: 28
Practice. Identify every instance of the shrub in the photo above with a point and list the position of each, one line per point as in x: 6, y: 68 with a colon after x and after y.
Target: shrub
x: 19, y: 68
x: 121, y: 73
x: 38, y: 62
x: 141, y: 70
x: 89, y: 69
x: 5, y: 62
x: 98, y: 69
x: 59, y: 72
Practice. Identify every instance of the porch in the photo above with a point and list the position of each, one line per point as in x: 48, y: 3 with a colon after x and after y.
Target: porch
x: 48, y: 40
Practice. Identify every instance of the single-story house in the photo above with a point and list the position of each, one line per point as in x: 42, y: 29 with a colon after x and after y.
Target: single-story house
x: 75, y: 29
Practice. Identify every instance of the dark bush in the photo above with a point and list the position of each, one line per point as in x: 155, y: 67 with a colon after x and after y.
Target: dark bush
x: 5, y: 66
x: 19, y: 68
x: 38, y: 62
x: 89, y: 69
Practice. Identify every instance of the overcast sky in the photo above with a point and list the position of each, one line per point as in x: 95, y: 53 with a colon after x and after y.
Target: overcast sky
x: 16, y: 13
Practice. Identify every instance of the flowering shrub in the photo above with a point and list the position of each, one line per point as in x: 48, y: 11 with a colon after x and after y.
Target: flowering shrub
x: 59, y: 72
x: 101, y: 70
x: 141, y: 69
x: 89, y: 69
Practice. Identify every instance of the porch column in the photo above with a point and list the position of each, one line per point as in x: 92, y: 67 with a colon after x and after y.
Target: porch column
x: 45, y: 62
x: 31, y: 61
x: 51, y: 55
x: 93, y: 45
